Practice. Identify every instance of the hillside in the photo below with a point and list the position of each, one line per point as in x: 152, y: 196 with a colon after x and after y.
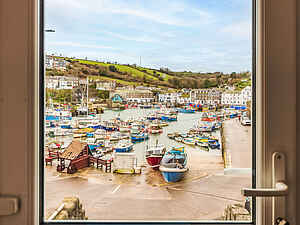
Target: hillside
x: 137, y: 75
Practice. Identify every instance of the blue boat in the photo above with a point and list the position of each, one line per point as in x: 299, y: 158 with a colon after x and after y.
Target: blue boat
x: 214, y: 144
x: 152, y: 117
x: 95, y: 126
x: 123, y: 146
x: 93, y: 146
x: 89, y: 134
x: 168, y: 118
x: 173, y: 165
x: 186, y: 110
x: 139, y: 137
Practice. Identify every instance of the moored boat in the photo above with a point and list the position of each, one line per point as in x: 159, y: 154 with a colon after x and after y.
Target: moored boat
x: 155, y: 129
x: 154, y: 155
x: 139, y: 137
x: 173, y: 166
x: 123, y: 146
x: 186, y: 110
x: 189, y: 141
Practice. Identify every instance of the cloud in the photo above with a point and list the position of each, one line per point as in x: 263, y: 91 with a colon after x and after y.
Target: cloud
x: 162, y: 12
x: 239, y: 30
x: 182, y: 35
x: 79, y: 45
x: 130, y: 38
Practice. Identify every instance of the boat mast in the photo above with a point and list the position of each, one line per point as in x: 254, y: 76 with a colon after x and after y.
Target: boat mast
x: 87, y: 95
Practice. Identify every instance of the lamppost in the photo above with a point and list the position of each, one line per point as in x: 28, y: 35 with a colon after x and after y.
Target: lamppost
x: 50, y: 30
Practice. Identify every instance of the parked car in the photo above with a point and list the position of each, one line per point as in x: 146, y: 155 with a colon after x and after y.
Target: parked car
x: 245, y: 121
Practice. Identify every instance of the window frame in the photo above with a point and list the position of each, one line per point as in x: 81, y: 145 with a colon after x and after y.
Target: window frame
x: 29, y: 193
x: 41, y: 131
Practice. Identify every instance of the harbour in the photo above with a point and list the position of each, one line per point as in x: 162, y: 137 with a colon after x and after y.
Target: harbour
x: 103, y: 193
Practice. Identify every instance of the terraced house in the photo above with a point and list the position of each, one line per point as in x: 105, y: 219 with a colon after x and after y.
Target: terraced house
x: 208, y: 96
x: 133, y: 95
x: 237, y: 97
x: 52, y: 62
x: 61, y: 82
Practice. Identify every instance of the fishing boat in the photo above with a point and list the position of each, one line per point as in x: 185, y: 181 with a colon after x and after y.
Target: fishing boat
x: 163, y: 124
x: 59, y: 132
x: 49, y: 124
x: 178, y: 138
x: 154, y: 155
x: 152, y: 116
x: 139, y: 137
x: 79, y: 135
x: 123, y: 146
x: 135, y: 129
x: 154, y: 128
x: 95, y: 124
x: 100, y: 134
x: 172, y: 135
x: 65, y: 124
x: 214, y: 144
x: 92, y: 143
x: 167, y: 116
x: 90, y: 134
x: 124, y: 128
x: 84, y: 122
x: 203, y: 145
x: 186, y: 110
x: 145, y: 106
x: 189, y: 141
x: 173, y: 165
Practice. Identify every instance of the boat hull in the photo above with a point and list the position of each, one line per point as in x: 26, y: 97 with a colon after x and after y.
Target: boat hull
x: 154, y: 161
x: 135, y: 139
x: 172, y: 174
x: 125, y: 149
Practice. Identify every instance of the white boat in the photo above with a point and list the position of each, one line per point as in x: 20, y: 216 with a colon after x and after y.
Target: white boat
x: 124, y: 128
x: 189, y: 141
x: 123, y: 146
x: 155, y: 129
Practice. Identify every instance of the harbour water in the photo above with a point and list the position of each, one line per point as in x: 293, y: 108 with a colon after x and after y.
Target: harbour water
x: 185, y: 121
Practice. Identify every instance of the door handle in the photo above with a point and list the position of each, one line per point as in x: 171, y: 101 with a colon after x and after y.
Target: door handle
x: 8, y: 206
x: 279, y: 188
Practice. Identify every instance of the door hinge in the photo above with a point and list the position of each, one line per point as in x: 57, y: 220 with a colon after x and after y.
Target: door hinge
x: 8, y: 205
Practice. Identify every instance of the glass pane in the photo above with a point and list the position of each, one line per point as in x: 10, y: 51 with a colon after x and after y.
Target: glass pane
x: 147, y: 110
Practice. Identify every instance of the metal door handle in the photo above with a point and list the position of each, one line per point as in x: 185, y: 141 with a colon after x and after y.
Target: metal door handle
x: 281, y: 189
x: 8, y: 206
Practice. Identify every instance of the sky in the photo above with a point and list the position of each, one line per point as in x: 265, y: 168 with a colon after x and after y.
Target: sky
x: 182, y: 35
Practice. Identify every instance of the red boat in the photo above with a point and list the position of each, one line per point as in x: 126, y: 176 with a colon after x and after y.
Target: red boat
x: 154, y: 155
x: 154, y: 129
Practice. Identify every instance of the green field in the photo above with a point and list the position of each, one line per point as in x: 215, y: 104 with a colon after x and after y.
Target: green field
x: 122, y: 68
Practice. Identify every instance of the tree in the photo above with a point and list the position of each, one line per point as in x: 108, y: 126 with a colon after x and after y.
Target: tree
x: 103, y: 94
x: 207, y: 83
x: 102, y: 72
x: 112, y: 68
x: 85, y: 71
x: 144, y: 79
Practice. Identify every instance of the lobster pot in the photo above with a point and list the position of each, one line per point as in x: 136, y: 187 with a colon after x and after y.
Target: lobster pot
x: 124, y: 162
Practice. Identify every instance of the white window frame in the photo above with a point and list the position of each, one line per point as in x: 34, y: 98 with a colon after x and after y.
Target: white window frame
x: 276, y: 127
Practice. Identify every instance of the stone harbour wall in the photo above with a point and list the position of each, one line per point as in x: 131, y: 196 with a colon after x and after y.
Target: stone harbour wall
x: 70, y: 209
x: 236, y: 212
